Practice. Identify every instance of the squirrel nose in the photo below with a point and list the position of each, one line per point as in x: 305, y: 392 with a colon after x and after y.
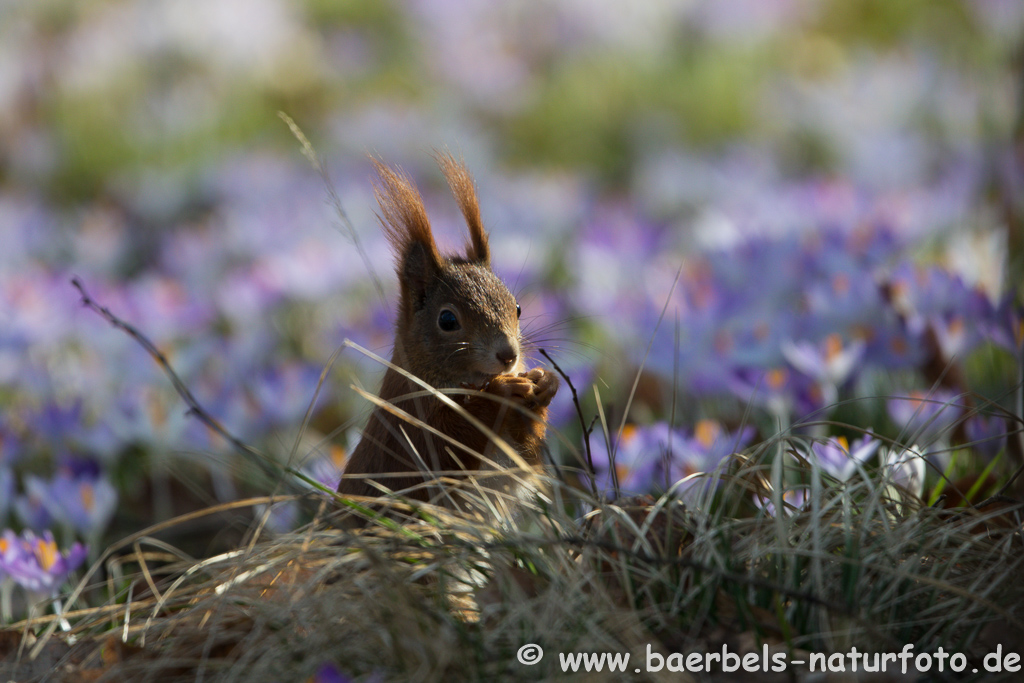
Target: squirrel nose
x: 506, y: 355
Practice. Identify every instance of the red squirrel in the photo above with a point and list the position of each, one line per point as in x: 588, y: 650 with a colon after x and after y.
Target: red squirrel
x: 457, y: 328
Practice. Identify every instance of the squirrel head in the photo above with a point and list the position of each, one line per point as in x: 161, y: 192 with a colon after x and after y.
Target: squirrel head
x: 457, y: 321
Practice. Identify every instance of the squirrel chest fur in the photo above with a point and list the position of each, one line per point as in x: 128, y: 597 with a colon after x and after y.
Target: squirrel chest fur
x: 457, y: 328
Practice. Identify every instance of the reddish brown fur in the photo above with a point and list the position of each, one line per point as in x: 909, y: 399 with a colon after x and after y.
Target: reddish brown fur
x: 464, y: 190
x: 389, y: 442
x: 402, y: 214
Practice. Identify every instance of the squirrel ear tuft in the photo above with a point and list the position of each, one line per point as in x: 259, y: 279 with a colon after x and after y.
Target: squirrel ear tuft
x: 461, y: 183
x: 405, y: 223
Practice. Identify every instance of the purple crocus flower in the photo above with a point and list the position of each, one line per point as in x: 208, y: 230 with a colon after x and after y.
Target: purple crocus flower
x: 952, y: 335
x: 638, y: 460
x: 56, y: 422
x: 163, y: 307
x: 783, y: 391
x: 328, y: 672
x: 830, y: 363
x: 1006, y: 328
x: 78, y: 496
x: 284, y: 392
x: 924, y: 415
x: 891, y: 344
x: 797, y: 498
x: 10, y: 448
x: 30, y: 508
x: 327, y: 468
x: 643, y: 452
x: 839, y: 459
x: 35, y: 563
x: 702, y: 452
x: 246, y: 294
x: 933, y: 298
x: 986, y: 433
x: 842, y: 298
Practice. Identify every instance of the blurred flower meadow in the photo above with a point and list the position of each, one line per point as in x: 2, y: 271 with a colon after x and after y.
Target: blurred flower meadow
x: 782, y: 214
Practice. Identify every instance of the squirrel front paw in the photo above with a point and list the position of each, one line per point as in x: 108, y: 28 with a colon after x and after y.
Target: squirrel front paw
x: 545, y: 385
x: 534, y: 389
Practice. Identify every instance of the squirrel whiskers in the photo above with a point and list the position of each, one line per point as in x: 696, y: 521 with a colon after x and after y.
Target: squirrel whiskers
x: 457, y: 327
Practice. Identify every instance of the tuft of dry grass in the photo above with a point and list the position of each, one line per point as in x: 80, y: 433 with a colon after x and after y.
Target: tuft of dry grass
x: 398, y: 590
x: 443, y: 596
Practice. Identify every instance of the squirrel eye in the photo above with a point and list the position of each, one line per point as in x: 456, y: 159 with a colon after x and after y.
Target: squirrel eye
x: 447, y: 321
x: 519, y: 311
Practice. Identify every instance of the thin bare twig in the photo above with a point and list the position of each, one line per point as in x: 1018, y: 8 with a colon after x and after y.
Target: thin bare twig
x: 194, y: 407
x: 579, y: 413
